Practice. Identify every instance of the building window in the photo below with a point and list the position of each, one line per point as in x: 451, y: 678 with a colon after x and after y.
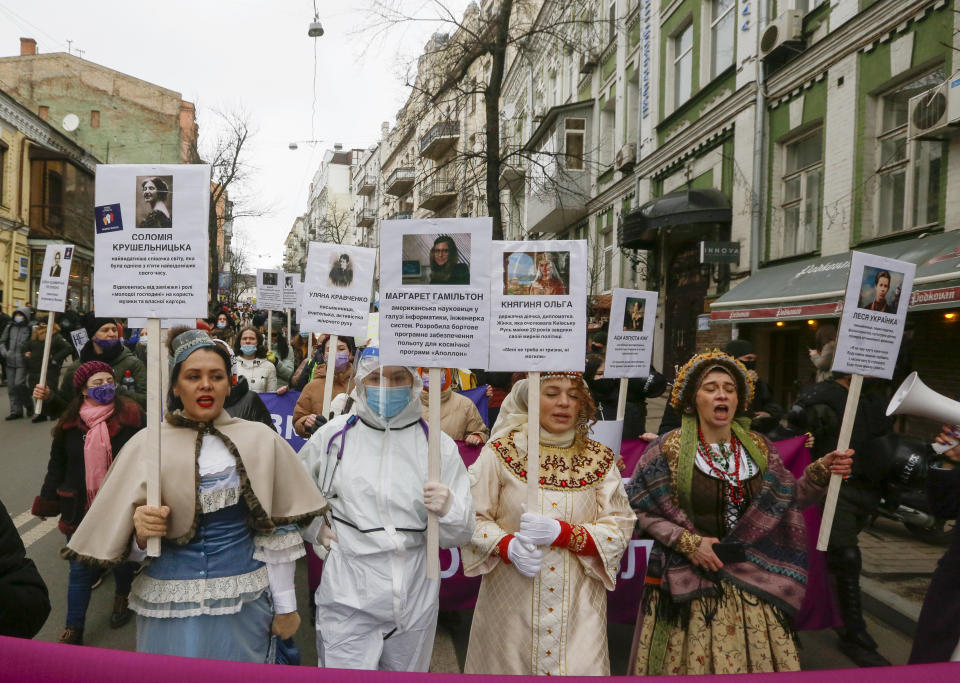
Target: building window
x: 94, y: 118
x: 683, y: 66
x: 908, y: 172
x: 606, y: 246
x: 800, y: 196
x: 612, y: 21
x: 3, y: 169
x: 808, y: 5
x: 574, y: 131
x: 43, y: 111
x: 723, y: 29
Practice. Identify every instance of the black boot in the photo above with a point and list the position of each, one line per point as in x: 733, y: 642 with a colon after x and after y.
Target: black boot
x: 855, y: 642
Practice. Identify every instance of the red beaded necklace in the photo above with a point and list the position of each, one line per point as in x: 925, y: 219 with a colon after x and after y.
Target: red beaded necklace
x: 735, y: 487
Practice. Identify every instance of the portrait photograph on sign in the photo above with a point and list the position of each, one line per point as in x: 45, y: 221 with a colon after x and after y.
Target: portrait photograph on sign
x: 269, y: 290
x: 55, y: 277
x: 435, y: 292
x: 633, y: 315
x: 538, y: 273
x: 150, y: 266
x: 341, y: 269
x: 155, y: 201
x: 880, y: 290
x: 436, y: 259
x: 270, y: 279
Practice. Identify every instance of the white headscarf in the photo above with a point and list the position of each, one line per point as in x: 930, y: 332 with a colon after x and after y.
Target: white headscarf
x: 514, y: 417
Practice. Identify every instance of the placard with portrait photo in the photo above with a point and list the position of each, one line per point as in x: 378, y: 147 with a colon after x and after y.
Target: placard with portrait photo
x: 633, y: 314
x: 538, y: 305
x: 337, y: 289
x: 435, y: 292
x: 269, y: 290
x: 874, y: 315
x: 55, y: 277
x: 151, y: 253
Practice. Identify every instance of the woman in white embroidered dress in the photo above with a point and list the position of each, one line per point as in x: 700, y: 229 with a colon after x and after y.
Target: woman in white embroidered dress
x: 542, y: 607
x: 233, y: 493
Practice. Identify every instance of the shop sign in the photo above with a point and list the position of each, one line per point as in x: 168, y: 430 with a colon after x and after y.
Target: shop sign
x: 720, y: 252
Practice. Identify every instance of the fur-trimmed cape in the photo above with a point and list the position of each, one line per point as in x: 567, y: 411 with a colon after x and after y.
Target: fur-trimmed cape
x: 275, y: 485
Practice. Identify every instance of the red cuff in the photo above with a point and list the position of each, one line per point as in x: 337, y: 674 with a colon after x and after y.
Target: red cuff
x: 576, y: 539
x: 501, y: 548
x: 43, y: 507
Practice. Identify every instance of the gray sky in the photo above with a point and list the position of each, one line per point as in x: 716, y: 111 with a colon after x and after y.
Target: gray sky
x: 228, y: 54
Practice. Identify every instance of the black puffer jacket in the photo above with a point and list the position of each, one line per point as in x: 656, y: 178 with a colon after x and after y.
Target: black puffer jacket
x: 24, y: 603
x: 247, y: 405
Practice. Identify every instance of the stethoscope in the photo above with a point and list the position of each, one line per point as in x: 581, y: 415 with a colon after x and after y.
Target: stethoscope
x: 328, y: 482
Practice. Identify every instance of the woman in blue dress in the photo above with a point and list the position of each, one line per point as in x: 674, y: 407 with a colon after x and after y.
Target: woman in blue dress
x: 235, y: 500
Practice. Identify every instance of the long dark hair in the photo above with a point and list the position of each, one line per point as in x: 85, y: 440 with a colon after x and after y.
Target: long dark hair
x: 261, y: 350
x: 443, y: 274
x: 173, y: 402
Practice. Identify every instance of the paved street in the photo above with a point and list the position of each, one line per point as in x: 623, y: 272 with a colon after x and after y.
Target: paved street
x: 24, y: 464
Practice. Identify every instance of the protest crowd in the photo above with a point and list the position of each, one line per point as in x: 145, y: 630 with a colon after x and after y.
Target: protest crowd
x: 725, y: 577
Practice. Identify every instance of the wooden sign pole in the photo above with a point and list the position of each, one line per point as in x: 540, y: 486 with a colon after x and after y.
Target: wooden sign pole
x: 331, y: 359
x: 38, y: 404
x: 622, y: 399
x: 152, y: 460
x: 269, y: 341
x: 843, y: 443
x: 433, y: 470
x: 288, y: 327
x: 533, y: 442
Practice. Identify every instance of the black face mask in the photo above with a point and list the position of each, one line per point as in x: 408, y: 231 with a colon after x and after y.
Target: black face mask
x: 603, y: 385
x: 749, y: 364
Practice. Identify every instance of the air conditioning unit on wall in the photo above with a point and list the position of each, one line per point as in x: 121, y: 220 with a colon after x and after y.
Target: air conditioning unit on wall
x: 935, y: 114
x: 626, y: 157
x: 781, y: 32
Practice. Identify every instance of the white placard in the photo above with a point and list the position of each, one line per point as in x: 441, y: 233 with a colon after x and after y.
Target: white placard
x: 166, y: 323
x: 633, y: 315
x: 874, y: 313
x: 538, y: 305
x: 269, y: 290
x: 435, y: 292
x: 55, y: 277
x: 290, y: 281
x: 151, y: 248
x: 373, y: 331
x: 79, y: 339
x: 609, y: 433
x: 337, y: 289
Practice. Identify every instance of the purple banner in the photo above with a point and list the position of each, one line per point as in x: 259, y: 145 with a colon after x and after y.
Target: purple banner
x: 281, y: 410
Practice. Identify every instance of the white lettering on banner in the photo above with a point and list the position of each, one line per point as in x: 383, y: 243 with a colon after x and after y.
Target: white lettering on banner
x: 631, y: 570
x: 789, y: 311
x: 454, y: 567
x: 283, y: 425
x: 932, y: 296
x: 822, y: 268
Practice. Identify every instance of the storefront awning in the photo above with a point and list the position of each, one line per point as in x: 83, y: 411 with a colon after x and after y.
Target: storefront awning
x: 639, y: 229
x: 814, y: 288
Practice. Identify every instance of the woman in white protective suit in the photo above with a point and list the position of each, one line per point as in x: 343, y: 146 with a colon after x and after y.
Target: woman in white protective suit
x: 376, y: 609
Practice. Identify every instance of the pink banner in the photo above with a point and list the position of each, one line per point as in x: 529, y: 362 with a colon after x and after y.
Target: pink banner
x: 33, y: 661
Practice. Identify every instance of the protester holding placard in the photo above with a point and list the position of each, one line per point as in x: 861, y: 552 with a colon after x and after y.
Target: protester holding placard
x: 252, y: 362
x: 88, y: 436
x: 308, y: 413
x: 713, y: 607
x: 281, y: 355
x: 554, y: 624
x: 459, y: 417
x: 104, y: 345
x: 59, y: 350
x: 233, y: 494
x: 315, y: 367
x: 376, y: 608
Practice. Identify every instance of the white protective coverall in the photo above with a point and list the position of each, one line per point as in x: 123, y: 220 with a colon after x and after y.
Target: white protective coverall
x: 376, y: 609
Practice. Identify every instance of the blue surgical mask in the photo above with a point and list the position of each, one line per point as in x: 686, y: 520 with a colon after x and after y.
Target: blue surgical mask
x: 304, y: 334
x: 102, y: 394
x: 395, y: 399
x: 221, y: 324
x: 248, y: 349
x: 106, y: 344
x: 18, y: 319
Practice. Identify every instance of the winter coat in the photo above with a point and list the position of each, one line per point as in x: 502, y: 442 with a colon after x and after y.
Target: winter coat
x: 459, y: 416
x: 260, y: 373
x: 15, y: 339
x: 59, y: 350
x: 311, y: 398
x: 247, y: 404
x: 64, y: 490
x: 24, y: 603
x: 284, y: 365
x: 120, y: 359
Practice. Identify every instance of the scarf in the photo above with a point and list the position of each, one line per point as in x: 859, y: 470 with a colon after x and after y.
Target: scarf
x: 771, y: 529
x: 97, y: 452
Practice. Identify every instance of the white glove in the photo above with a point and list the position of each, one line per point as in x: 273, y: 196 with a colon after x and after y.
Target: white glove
x: 525, y: 557
x: 538, y: 530
x: 437, y: 498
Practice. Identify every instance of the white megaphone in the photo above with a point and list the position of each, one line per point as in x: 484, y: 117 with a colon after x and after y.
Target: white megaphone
x: 916, y: 398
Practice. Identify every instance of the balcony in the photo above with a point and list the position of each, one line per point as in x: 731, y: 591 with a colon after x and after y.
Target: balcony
x: 439, y: 139
x: 367, y: 185
x: 437, y: 192
x: 366, y: 218
x: 400, y: 181
x: 513, y: 167
x: 400, y: 216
